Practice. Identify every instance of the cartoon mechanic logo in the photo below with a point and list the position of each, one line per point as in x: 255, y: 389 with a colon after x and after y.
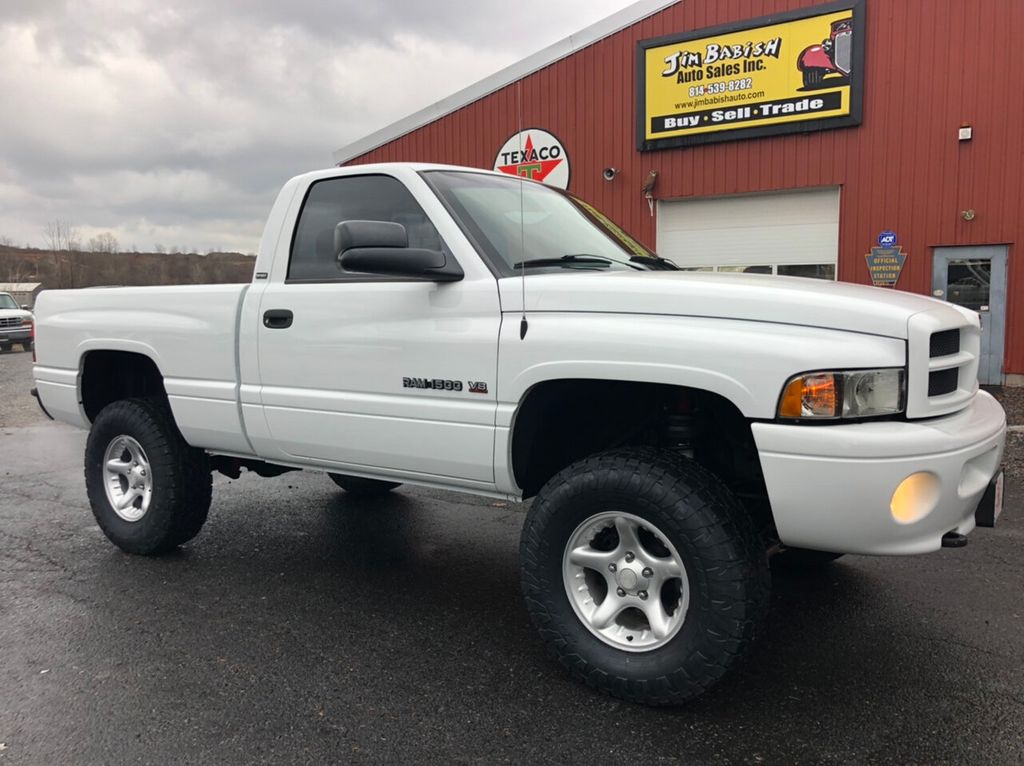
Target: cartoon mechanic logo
x: 831, y: 63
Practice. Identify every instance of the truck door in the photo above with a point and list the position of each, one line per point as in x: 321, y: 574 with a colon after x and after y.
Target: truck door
x: 378, y: 374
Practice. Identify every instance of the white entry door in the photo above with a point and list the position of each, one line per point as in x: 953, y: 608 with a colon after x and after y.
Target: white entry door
x: 975, y: 277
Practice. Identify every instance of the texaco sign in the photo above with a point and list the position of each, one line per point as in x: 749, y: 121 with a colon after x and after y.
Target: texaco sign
x: 537, y: 155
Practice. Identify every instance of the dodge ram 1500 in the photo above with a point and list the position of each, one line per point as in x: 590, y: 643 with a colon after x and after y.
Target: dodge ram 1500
x: 468, y: 330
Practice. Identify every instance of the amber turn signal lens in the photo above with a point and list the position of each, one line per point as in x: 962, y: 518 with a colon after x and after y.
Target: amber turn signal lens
x: 810, y: 396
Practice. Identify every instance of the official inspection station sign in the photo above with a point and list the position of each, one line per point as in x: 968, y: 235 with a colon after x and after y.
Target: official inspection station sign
x: 885, y: 264
x: 793, y: 72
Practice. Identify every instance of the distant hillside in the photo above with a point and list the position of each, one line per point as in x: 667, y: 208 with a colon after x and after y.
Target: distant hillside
x: 78, y: 269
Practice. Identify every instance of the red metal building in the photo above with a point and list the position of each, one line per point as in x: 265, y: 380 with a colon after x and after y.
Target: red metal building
x: 931, y: 148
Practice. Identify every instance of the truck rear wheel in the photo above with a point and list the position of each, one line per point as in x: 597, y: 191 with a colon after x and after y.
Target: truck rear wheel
x: 149, y: 490
x: 643, y: 574
x: 357, y: 485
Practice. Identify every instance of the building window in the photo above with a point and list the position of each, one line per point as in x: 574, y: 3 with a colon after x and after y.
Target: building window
x: 810, y: 270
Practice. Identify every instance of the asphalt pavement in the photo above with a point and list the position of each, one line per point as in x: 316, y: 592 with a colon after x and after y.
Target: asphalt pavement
x: 303, y: 626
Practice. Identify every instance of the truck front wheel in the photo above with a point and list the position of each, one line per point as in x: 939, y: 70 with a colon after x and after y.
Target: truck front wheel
x: 643, y: 574
x: 149, y: 490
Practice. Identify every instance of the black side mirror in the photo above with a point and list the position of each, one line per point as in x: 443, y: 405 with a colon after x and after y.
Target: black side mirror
x: 352, y: 234
x: 382, y: 247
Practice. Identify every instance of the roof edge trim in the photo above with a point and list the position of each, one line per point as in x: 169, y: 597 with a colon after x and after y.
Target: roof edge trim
x: 606, y: 27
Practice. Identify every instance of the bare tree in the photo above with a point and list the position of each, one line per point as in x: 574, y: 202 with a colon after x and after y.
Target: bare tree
x: 61, y: 236
x: 18, y: 271
x: 61, y: 239
x: 158, y: 248
x: 6, y: 242
x: 104, y: 243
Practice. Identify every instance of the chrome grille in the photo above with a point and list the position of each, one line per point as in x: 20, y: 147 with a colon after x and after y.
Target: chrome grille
x: 843, y: 56
x: 10, y: 321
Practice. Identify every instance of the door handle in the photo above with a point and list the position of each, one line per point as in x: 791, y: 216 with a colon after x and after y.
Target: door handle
x: 277, y: 319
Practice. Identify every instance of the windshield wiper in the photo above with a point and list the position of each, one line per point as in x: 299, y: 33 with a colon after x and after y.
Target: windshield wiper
x: 654, y: 262
x: 569, y: 261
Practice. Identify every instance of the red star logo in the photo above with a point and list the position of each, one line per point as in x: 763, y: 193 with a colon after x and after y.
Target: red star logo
x: 530, y: 166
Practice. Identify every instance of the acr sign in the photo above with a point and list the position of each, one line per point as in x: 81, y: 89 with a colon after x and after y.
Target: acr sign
x: 793, y: 72
x: 537, y: 155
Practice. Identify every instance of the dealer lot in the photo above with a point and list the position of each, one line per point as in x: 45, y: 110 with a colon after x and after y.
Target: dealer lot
x: 303, y: 625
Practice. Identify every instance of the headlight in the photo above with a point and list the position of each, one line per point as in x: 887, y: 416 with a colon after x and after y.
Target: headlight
x: 849, y: 394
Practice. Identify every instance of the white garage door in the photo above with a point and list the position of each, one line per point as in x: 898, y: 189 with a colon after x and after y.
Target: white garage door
x: 794, y: 233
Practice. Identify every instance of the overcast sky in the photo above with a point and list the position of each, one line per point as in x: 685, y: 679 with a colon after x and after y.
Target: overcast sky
x: 176, y: 123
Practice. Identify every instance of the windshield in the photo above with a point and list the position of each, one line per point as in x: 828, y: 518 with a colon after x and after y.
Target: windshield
x: 539, y: 228
x: 7, y: 302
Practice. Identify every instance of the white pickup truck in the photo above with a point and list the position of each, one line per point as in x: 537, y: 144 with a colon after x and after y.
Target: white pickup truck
x: 15, y: 324
x: 455, y: 328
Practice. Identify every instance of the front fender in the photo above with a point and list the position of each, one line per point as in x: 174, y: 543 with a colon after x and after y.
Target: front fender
x: 815, y: 57
x: 745, y: 362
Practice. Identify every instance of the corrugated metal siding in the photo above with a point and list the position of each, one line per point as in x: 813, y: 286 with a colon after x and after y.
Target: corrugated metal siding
x: 931, y: 66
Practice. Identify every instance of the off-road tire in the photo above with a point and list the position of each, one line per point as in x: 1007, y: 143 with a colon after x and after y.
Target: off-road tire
x: 357, y: 485
x: 813, y: 77
x: 802, y: 560
x: 725, y: 561
x: 182, y: 482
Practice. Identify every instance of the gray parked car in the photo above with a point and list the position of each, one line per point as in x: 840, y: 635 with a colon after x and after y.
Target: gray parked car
x: 15, y: 324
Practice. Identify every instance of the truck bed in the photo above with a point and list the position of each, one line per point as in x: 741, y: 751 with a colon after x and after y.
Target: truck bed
x: 189, y: 332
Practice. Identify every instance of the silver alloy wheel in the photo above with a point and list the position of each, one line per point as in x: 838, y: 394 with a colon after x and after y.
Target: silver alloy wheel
x: 626, y: 581
x: 127, y: 478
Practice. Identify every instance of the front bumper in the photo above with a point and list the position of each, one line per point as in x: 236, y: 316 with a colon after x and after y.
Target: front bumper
x: 15, y: 334
x: 831, y: 486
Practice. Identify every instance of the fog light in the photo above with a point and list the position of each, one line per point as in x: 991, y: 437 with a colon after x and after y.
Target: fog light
x: 915, y: 497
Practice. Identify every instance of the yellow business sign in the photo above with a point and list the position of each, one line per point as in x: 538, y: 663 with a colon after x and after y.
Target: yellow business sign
x: 793, y: 72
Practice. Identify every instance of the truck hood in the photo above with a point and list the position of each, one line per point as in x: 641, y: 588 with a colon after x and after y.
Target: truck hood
x: 15, y: 313
x: 753, y: 297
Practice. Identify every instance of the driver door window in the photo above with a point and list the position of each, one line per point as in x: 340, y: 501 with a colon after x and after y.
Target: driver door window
x: 353, y: 198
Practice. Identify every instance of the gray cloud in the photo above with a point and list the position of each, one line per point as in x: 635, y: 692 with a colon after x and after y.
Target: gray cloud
x: 176, y: 123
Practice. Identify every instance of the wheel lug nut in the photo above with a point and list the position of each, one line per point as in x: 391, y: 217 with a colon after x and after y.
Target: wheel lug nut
x: 643, y: 595
x: 612, y: 567
x: 630, y: 556
x: 621, y: 592
x: 648, y: 572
